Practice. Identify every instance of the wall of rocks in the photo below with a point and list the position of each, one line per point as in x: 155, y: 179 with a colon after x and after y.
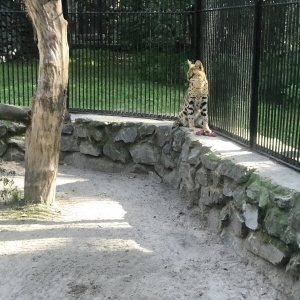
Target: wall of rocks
x: 263, y: 217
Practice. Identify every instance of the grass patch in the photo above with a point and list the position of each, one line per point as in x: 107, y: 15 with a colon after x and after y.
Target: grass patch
x: 21, y: 211
x: 150, y: 83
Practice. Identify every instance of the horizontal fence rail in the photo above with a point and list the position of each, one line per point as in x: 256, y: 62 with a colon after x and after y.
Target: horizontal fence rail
x: 129, y: 58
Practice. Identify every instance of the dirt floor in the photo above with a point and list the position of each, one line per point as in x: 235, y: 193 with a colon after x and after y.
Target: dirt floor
x: 123, y: 236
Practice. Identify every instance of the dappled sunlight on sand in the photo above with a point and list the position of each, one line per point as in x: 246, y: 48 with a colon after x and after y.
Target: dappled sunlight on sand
x: 32, y: 245
x: 50, y: 244
x: 92, y: 210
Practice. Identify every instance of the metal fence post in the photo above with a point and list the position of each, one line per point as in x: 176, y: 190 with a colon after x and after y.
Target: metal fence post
x: 65, y: 10
x: 255, y: 73
x: 197, y: 29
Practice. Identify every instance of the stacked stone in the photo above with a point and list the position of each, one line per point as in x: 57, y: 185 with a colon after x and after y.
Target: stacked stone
x: 262, y: 217
x: 12, y: 141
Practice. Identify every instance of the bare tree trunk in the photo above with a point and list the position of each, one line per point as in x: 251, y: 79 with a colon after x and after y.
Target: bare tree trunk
x: 44, y: 134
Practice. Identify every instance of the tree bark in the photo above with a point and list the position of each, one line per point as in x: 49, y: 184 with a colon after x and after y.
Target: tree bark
x: 42, y: 140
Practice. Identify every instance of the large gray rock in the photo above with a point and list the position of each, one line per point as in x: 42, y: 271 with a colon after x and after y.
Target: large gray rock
x: 173, y: 179
x: 240, y: 174
x: 145, y: 153
x: 228, y: 188
x: 169, y: 160
x: 13, y: 154
x: 277, y: 223
x: 127, y: 135
x: 98, y: 133
x: 282, y: 201
x: 67, y: 129
x: 191, y: 195
x: 295, y: 223
x: 162, y: 135
x: 293, y: 267
x: 185, y: 151
x: 217, y: 179
x: 80, y: 131
x: 187, y: 174
x: 18, y: 141
x: 100, y: 163
x: 140, y: 169
x: 253, y: 191
x: 86, y: 147
x: 251, y: 216
x: 146, y: 130
x: 259, y: 195
x: 202, y: 177
x: 267, y: 247
x: 69, y: 143
x: 3, y: 130
x: 178, y: 140
x: 3, y: 147
x: 160, y: 169
x: 16, y: 128
x: 237, y: 223
x: 169, y: 157
x: 116, y: 151
x: 211, y: 197
x: 209, y: 160
x: 194, y: 157
x: 154, y: 177
x: 239, y: 197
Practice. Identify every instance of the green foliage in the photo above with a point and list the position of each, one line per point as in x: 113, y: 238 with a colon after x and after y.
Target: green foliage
x: 162, y: 67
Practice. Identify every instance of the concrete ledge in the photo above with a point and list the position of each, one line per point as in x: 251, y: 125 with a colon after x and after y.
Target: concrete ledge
x: 246, y: 194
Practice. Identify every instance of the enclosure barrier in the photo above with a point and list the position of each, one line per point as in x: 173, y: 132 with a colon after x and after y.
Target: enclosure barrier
x: 129, y: 58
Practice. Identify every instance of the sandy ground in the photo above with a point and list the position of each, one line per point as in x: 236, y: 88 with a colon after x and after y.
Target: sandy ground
x: 123, y: 236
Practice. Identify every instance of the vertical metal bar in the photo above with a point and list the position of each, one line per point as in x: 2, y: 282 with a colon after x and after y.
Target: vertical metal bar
x: 295, y: 92
x: 264, y: 109
x: 17, y: 101
x: 196, y: 28
x: 4, y: 65
x: 274, y: 141
x: 94, y: 58
x: 65, y: 10
x: 8, y: 64
x: 255, y: 73
x: 116, y: 62
x: 101, y: 41
x: 75, y: 102
x: 286, y: 79
x: 130, y: 95
x: 104, y: 62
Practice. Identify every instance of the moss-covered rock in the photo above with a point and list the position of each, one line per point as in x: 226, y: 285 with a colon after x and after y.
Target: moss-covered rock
x: 293, y: 266
x: 239, y: 173
x: 210, y: 160
x: 268, y: 247
x: 278, y: 224
x: 225, y: 216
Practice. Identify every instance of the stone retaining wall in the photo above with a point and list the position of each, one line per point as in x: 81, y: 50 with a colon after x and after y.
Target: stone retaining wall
x: 264, y: 217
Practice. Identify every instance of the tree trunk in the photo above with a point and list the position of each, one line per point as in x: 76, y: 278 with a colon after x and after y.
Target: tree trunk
x: 43, y: 135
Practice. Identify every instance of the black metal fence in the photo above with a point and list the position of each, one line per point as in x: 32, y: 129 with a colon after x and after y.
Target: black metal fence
x: 129, y: 57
